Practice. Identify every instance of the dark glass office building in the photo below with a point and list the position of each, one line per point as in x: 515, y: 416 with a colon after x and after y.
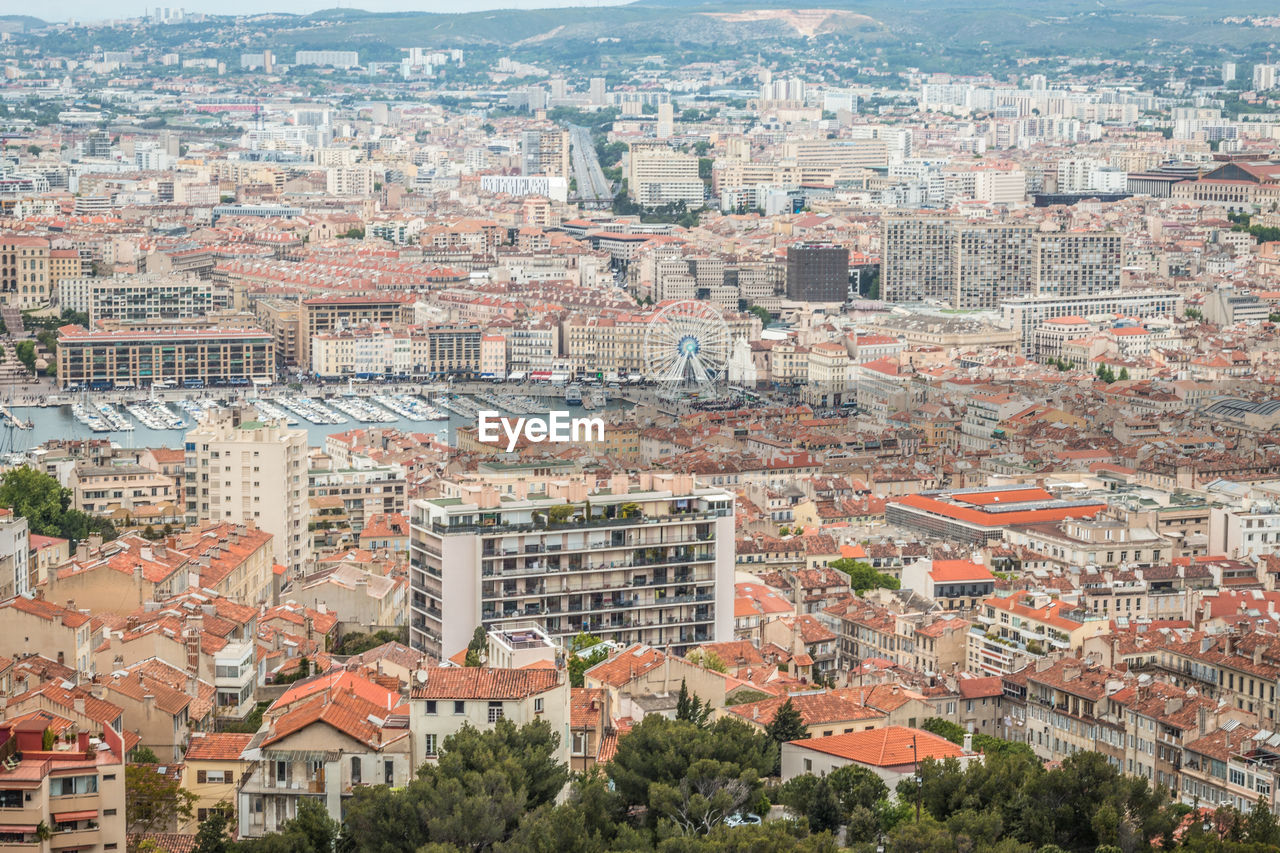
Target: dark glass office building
x: 817, y: 272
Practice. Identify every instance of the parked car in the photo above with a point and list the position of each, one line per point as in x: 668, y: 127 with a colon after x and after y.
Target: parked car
x: 742, y: 819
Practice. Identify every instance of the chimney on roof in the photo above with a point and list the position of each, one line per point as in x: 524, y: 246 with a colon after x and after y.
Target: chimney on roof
x: 78, y: 704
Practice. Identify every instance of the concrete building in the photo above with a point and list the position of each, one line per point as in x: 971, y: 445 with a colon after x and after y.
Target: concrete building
x: 211, y: 767
x: 140, y: 299
x: 1078, y: 263
x: 191, y: 358
x: 321, y: 747
x: 650, y: 561
x: 18, y: 575
x: 37, y: 626
x: 75, y: 793
x: 336, y: 58
x: 893, y: 753
x: 659, y: 175
x: 252, y: 473
x: 545, y: 152
x: 520, y: 682
x: 1226, y: 306
x: 817, y: 272
x: 1026, y: 314
x: 980, y: 264
x: 330, y: 313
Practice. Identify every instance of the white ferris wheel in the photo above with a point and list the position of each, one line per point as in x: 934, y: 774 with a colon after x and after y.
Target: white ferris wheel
x: 686, y: 348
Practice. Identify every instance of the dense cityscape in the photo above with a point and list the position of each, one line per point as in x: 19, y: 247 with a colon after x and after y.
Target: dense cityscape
x: 657, y: 427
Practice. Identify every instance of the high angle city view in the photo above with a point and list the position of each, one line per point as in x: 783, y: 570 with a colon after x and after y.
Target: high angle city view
x: 590, y: 426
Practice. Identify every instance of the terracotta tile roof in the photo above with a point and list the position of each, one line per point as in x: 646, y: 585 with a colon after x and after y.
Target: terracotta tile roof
x: 216, y: 746
x: 168, y: 684
x: 586, y: 705
x: 343, y: 711
x: 474, y: 682
x: 978, y: 688
x: 340, y: 680
x: 891, y: 746
x: 164, y: 842
x: 47, y: 610
x: 626, y: 665
x: 953, y: 571
x: 64, y: 698
x: 815, y: 709
x: 608, y: 748
x: 297, y: 615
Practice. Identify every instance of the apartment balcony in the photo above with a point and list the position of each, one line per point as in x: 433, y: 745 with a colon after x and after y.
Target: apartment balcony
x: 28, y: 816
x: 638, y: 521
x: 77, y: 803
x: 546, y: 568
x: 619, y: 586
x: 76, y: 839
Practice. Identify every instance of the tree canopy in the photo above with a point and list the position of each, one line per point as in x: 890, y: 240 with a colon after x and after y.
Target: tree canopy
x: 154, y: 801
x: 46, y: 506
x: 863, y: 576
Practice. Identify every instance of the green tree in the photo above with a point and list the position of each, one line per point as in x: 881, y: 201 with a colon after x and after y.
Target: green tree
x: 824, y: 813
x: 691, y: 709
x: 39, y: 498
x: 143, y: 755
x: 953, y: 732
x: 662, y: 751
x: 474, y: 797
x: 477, y: 647
x: 763, y: 313
x: 855, y: 787
x: 1260, y: 826
x: 26, y: 353
x: 578, y: 663
x: 709, y: 792
x: 712, y: 661
x: 924, y: 836
x: 797, y: 793
x: 35, y: 496
x: 154, y: 801
x: 214, y: 833
x: 863, y: 576
x: 778, y: 836
x: 786, y: 725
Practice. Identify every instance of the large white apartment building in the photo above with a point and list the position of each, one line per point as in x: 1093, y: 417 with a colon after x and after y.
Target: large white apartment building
x: 1026, y: 314
x: 658, y: 175
x: 644, y: 560
x: 146, y: 298
x: 249, y: 472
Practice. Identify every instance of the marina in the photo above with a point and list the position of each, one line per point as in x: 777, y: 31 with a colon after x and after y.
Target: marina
x: 160, y: 423
x: 153, y: 414
x: 410, y: 407
x: 362, y: 410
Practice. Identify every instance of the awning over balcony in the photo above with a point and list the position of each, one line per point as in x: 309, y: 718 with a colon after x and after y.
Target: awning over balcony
x: 16, y: 828
x: 71, y: 817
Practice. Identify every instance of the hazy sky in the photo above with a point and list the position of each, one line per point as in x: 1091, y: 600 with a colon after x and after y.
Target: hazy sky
x: 90, y: 10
